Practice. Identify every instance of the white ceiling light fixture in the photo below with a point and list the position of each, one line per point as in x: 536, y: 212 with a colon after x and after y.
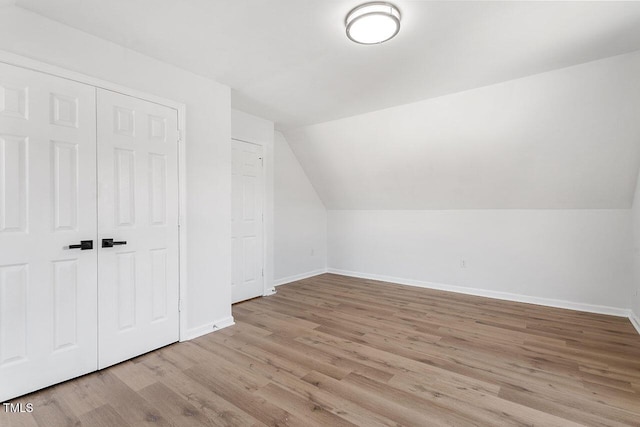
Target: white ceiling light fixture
x: 373, y: 23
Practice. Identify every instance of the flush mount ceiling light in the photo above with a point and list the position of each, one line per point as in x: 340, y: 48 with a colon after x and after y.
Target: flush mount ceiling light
x: 373, y: 23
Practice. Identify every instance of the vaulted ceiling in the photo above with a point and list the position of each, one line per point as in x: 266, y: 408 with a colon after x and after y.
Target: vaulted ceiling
x: 566, y: 139
x: 473, y: 105
x: 289, y: 60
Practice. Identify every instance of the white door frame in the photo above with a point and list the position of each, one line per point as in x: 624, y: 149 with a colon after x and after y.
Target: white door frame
x: 42, y: 67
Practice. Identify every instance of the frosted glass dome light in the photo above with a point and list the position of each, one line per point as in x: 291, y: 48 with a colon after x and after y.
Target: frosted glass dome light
x: 373, y: 23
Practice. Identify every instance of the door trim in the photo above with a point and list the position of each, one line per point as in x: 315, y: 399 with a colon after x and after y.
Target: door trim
x: 43, y: 67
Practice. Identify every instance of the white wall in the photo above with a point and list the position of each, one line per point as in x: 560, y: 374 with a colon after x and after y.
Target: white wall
x: 249, y: 128
x: 208, y: 146
x: 300, y: 219
x: 635, y: 219
x: 580, y: 256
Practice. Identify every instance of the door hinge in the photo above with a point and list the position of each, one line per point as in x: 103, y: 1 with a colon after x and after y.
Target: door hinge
x: 179, y: 135
x: 180, y: 304
x: 263, y: 272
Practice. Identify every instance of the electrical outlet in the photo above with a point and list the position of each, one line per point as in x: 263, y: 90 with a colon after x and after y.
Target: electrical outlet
x: 463, y: 263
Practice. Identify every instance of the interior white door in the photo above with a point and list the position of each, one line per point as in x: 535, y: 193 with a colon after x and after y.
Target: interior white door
x: 47, y: 204
x: 138, y: 210
x: 247, y: 194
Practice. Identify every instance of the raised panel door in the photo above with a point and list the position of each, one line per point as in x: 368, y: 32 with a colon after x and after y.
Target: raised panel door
x: 47, y: 204
x: 138, y: 211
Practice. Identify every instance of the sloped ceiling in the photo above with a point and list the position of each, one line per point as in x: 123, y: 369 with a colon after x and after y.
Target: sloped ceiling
x: 290, y: 62
x: 564, y: 139
x: 474, y: 105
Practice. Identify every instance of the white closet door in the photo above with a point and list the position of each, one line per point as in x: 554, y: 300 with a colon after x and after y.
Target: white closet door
x: 247, y: 221
x: 47, y: 203
x: 137, y: 204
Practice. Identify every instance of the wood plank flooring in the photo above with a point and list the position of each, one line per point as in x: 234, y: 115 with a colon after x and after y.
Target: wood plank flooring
x: 338, y: 351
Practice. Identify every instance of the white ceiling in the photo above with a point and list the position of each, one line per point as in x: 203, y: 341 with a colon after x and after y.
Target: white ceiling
x: 475, y: 105
x: 566, y: 139
x: 289, y: 60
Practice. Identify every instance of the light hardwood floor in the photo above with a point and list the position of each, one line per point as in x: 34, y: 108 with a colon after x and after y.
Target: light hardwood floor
x: 333, y: 351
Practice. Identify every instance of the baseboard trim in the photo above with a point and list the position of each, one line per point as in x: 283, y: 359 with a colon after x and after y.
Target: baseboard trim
x: 296, y: 277
x: 635, y: 320
x: 590, y: 308
x: 207, y: 328
x: 269, y: 292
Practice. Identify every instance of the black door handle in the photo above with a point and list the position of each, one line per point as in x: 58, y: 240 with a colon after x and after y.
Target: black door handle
x: 109, y: 243
x: 83, y: 246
